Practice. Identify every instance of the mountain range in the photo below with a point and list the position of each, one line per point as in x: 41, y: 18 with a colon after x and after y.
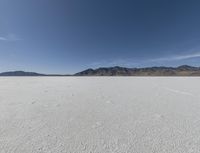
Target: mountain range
x: 23, y: 73
x: 183, y: 70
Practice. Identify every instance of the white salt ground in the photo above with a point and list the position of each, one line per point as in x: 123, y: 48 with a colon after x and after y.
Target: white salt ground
x: 99, y: 115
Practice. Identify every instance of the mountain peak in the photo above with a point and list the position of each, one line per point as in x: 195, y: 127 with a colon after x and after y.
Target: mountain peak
x: 186, y: 67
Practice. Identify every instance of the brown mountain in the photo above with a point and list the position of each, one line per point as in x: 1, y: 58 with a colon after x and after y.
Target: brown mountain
x: 183, y: 70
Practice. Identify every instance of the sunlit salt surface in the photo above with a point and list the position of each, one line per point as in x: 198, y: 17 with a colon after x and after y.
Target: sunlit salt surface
x: 99, y: 115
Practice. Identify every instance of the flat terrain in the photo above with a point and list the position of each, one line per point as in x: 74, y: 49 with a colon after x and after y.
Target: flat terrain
x: 99, y: 115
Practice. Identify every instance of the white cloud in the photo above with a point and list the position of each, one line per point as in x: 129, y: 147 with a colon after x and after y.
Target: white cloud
x: 141, y: 62
x: 3, y: 38
x: 176, y: 57
x: 187, y: 56
x: 9, y: 37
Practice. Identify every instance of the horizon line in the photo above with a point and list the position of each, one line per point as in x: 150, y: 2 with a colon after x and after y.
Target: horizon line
x: 65, y: 74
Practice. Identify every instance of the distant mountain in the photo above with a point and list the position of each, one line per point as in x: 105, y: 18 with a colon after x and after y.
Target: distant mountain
x: 23, y: 73
x: 183, y: 70
x: 20, y: 73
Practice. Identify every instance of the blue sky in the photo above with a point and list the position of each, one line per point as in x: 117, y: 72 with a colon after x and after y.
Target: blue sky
x: 67, y: 36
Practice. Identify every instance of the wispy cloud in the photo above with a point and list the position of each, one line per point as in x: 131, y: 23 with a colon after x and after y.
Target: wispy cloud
x: 9, y: 37
x: 3, y: 38
x: 132, y: 62
x: 177, y: 57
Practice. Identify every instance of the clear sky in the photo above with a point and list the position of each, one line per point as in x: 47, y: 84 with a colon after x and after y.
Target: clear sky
x: 67, y: 36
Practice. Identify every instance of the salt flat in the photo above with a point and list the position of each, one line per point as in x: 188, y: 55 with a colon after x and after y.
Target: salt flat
x: 99, y: 115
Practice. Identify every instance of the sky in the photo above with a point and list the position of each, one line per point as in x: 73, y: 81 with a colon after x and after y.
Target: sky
x: 68, y: 36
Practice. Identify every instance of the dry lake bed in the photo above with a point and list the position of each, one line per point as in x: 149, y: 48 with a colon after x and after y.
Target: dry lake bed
x: 99, y: 115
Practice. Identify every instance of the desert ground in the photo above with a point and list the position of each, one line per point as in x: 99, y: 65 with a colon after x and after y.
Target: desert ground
x: 99, y: 115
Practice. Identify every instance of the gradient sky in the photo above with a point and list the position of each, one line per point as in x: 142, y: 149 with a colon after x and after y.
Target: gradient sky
x: 66, y: 36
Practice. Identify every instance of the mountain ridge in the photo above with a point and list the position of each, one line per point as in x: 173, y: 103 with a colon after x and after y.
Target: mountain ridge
x: 20, y: 73
x: 24, y: 73
x: 183, y: 70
